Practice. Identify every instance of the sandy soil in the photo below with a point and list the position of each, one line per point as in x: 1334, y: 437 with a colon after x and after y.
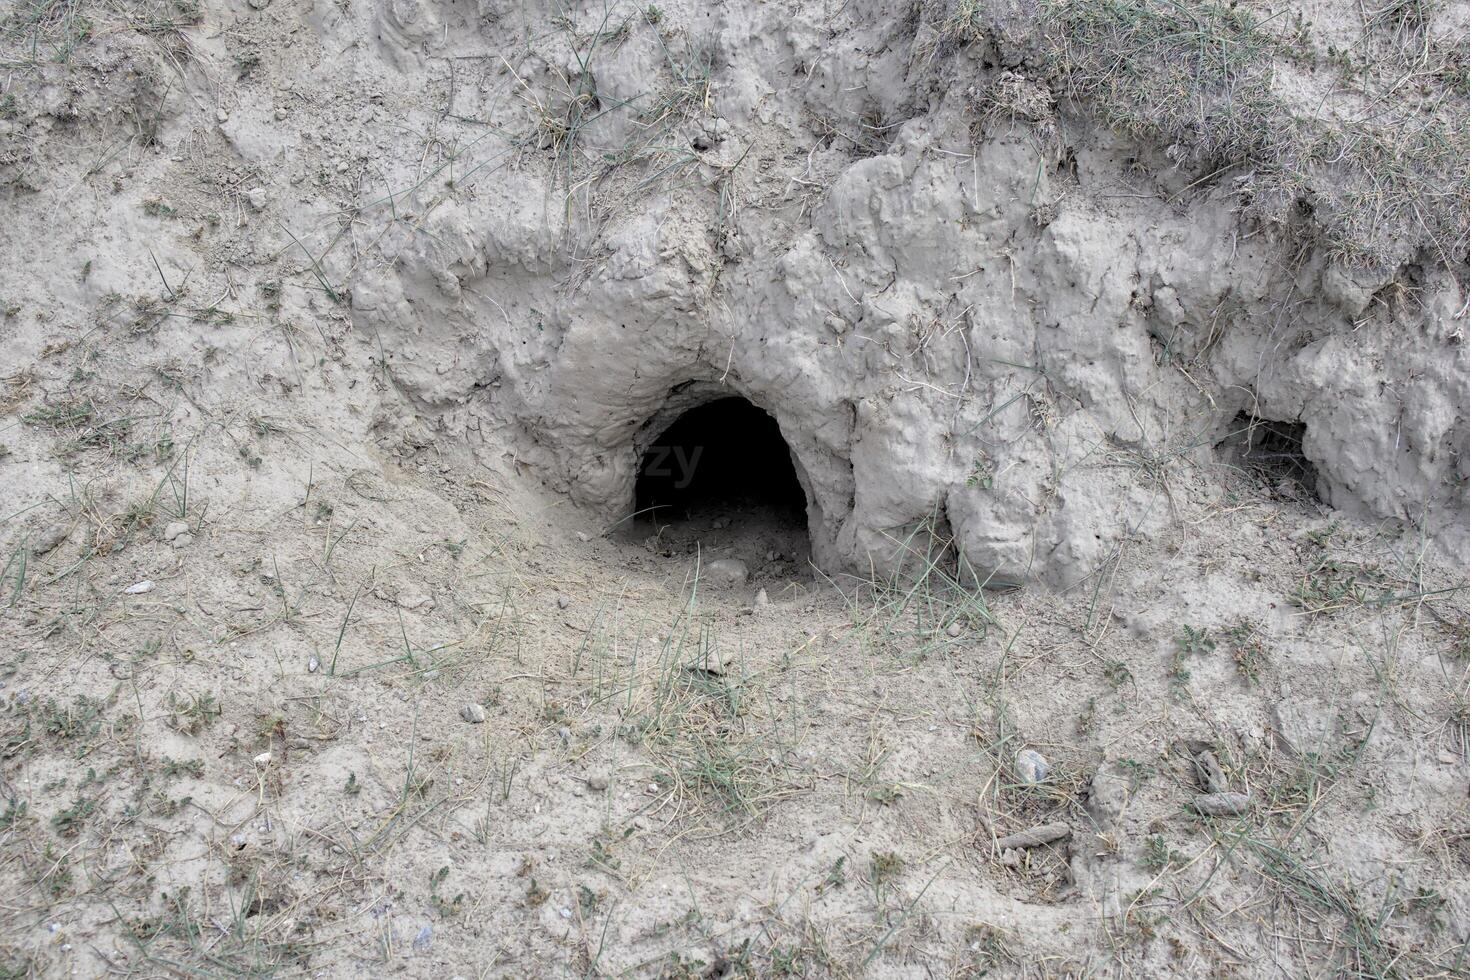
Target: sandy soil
x: 320, y: 653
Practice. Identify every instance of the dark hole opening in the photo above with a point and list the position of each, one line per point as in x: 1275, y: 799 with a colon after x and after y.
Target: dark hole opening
x: 1272, y: 451
x: 723, y: 471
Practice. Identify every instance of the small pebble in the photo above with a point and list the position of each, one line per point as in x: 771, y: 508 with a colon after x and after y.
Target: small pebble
x: 562, y: 602
x: 263, y: 760
x: 473, y: 713
x: 1031, y: 767
x: 597, y: 781
x: 138, y: 588
x: 48, y: 539
x: 312, y: 665
x: 761, y: 599
x: 954, y: 629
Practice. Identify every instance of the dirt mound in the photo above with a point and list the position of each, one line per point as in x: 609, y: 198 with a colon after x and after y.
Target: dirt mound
x: 742, y: 489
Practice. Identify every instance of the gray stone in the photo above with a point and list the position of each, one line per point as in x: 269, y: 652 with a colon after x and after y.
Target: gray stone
x: 473, y: 713
x: 1031, y: 767
x: 49, y: 538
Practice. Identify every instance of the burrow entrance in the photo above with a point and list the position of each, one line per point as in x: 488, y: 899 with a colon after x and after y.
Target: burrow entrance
x: 1272, y: 452
x: 721, y: 480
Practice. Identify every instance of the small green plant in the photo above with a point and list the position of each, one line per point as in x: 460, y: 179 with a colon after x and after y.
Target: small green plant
x: 445, y: 907
x: 836, y: 876
x: 14, y: 815
x: 1248, y: 651
x: 58, y: 878
x: 884, y: 867
x: 1332, y: 586
x: 189, y: 767
x: 1138, y: 772
x: 602, y: 857
x: 1116, y: 673
x: 69, y: 822
x: 1158, y: 857
x: 886, y: 795
x: 353, y: 787
x: 1193, y: 642
x: 191, y: 715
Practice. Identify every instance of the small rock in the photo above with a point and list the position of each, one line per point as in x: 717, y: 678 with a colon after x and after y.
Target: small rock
x: 49, y: 538
x: 1211, y: 776
x: 583, y: 537
x: 121, y: 669
x: 1031, y: 767
x: 258, y: 198
x: 262, y: 760
x: 221, y: 116
x: 726, y: 573
x: 1222, y: 804
x: 761, y: 599
x: 562, y: 602
x: 954, y: 629
x: 259, y: 4
x: 312, y: 665
x: 280, y: 114
x: 425, y: 936
x: 1447, y: 757
x: 1047, y: 833
x: 182, y: 541
x: 597, y: 781
x: 473, y: 713
x: 138, y: 588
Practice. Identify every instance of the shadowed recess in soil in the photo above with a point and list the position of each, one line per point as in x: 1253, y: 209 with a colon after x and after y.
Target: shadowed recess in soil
x: 723, y: 466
